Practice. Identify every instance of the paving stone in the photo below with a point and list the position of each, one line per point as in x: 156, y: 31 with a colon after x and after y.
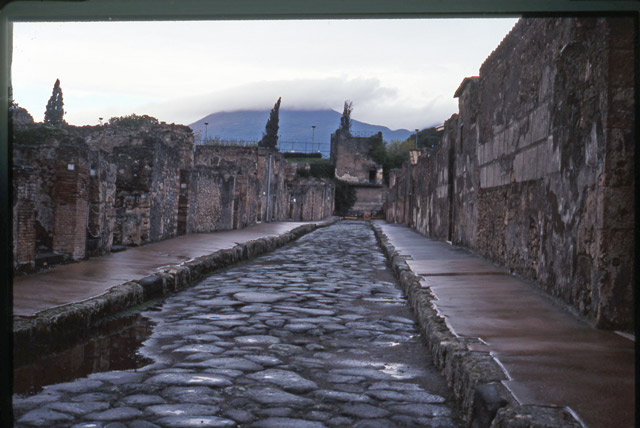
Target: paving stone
x: 22, y: 402
x: 117, y: 377
x: 421, y: 409
x: 43, y: 417
x: 260, y: 297
x: 198, y: 347
x: 287, y: 380
x: 77, y: 386
x: 189, y: 379
x: 340, y: 422
x: 250, y: 345
x: 412, y: 396
x: 116, y: 414
x: 257, y: 339
x: 376, y: 423
x: 142, y: 424
x: 238, y: 415
x: 287, y: 423
x: 275, y: 412
x: 193, y: 394
x: 233, y: 363
x: 196, y: 421
x: 317, y: 415
x: 142, y: 399
x: 285, y: 349
x: 328, y: 395
x: 276, y: 396
x: 225, y: 372
x: 264, y: 360
x: 363, y: 411
x: 78, y: 408
x: 186, y: 409
x: 364, y: 372
x: 219, y: 301
x: 89, y: 425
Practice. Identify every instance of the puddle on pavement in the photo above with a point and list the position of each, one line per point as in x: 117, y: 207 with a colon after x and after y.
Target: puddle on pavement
x: 113, y: 346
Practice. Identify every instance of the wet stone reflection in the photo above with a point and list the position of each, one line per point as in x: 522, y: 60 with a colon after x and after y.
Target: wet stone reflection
x: 113, y: 346
x: 315, y: 334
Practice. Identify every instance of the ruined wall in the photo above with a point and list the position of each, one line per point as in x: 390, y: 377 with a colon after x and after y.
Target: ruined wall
x: 233, y: 171
x: 309, y: 199
x: 85, y: 191
x: 535, y: 172
x: 70, y: 198
x: 153, y: 161
x: 369, y: 200
x: 352, y: 160
x: 235, y: 187
x: 354, y: 165
x: 32, y: 177
x: 51, y: 170
x: 212, y: 205
x: 102, y: 195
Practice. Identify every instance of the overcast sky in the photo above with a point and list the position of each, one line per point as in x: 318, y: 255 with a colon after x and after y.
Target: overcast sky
x: 398, y: 73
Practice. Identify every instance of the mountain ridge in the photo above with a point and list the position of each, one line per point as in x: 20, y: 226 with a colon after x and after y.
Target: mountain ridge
x: 295, y: 126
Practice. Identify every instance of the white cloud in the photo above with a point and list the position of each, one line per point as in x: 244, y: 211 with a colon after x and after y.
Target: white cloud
x: 399, y: 73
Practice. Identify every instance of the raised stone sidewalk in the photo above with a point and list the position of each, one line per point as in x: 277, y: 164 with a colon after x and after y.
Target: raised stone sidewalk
x: 64, y: 302
x: 513, y: 356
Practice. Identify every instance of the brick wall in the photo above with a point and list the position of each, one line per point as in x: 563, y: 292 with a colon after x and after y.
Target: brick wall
x: 80, y: 191
x: 70, y: 199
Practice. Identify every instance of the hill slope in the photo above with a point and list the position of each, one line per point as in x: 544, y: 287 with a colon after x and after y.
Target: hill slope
x: 295, y: 126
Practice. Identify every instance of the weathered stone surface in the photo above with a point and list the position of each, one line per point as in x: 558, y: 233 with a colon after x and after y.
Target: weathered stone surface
x: 189, y: 379
x: 538, y: 162
x: 287, y: 380
x: 226, y: 366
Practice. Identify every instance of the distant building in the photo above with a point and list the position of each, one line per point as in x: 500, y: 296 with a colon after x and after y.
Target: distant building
x: 355, y: 166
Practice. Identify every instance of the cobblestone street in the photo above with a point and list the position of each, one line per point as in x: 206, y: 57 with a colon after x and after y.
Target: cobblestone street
x: 315, y: 334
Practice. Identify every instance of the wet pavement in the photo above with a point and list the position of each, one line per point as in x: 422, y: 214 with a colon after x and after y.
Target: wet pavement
x: 550, y: 357
x: 315, y: 334
x: 77, y: 282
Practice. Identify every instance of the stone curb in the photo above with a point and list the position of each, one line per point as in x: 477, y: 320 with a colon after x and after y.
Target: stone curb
x: 475, y: 377
x: 54, y: 328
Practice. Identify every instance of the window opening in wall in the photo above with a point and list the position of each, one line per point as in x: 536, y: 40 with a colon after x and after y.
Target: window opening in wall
x: 372, y: 175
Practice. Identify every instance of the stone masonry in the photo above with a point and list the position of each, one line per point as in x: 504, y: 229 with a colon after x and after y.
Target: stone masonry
x: 83, y: 191
x: 536, y: 170
x: 355, y: 166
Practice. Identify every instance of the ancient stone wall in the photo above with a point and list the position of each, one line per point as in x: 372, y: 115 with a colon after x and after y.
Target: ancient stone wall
x: 85, y: 191
x: 309, y: 199
x: 102, y: 197
x: 70, y: 198
x: 245, y: 185
x: 352, y: 160
x: 536, y: 169
x: 354, y: 165
x: 211, y: 207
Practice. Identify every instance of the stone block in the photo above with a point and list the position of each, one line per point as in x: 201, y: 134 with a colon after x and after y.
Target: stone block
x: 616, y: 208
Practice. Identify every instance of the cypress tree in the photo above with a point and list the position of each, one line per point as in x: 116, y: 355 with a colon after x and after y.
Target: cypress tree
x: 54, y: 113
x: 345, y: 120
x: 270, y: 137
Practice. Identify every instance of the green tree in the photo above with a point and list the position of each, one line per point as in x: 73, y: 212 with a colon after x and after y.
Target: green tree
x: 54, y: 113
x: 270, y: 137
x: 345, y: 197
x: 133, y: 121
x: 345, y: 120
x: 427, y: 138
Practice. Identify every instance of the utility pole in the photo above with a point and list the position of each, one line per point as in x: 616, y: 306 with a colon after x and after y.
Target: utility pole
x: 313, y: 135
x: 417, y: 138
